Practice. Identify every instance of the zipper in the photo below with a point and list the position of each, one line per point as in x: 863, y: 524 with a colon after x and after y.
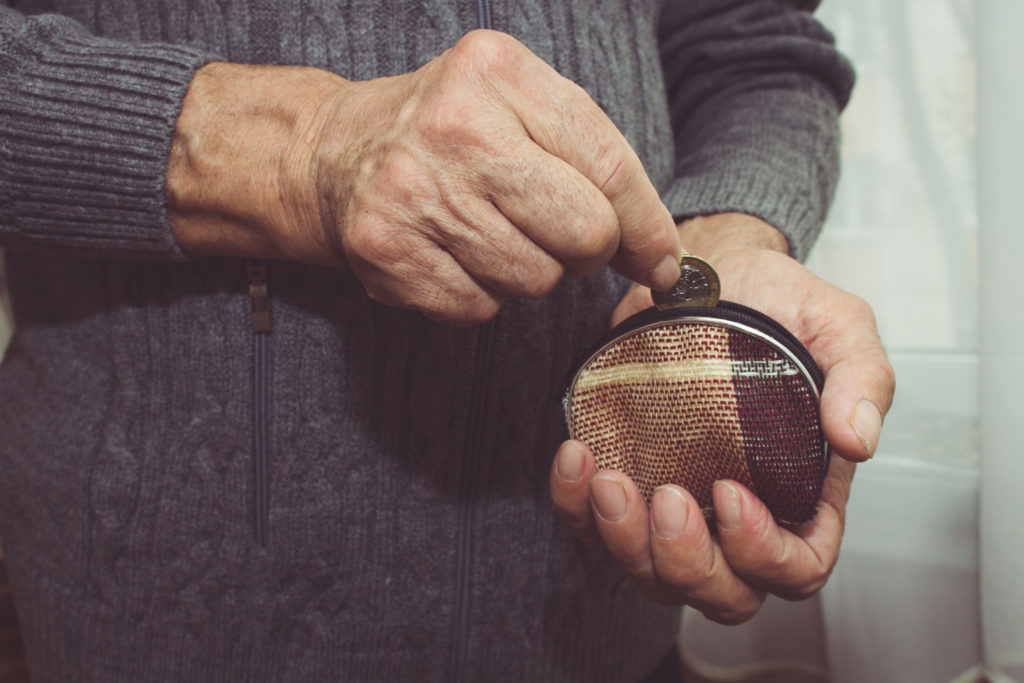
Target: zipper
x: 727, y: 311
x: 467, y: 487
x: 485, y: 344
x: 260, y: 301
x: 265, y: 48
x: 483, y: 14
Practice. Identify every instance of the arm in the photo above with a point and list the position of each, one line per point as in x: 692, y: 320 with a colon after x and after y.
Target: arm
x: 754, y: 89
x: 438, y: 188
x: 480, y: 176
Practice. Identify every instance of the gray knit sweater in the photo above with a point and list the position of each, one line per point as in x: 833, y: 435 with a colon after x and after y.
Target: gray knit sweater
x: 360, y: 494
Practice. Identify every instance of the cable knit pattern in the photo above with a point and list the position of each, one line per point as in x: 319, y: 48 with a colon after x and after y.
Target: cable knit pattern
x: 126, y: 471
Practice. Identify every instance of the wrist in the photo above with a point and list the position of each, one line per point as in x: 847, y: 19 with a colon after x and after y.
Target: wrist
x: 714, y: 235
x: 238, y: 178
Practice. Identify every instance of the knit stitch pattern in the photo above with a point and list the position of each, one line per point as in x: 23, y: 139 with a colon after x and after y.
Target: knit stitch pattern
x: 126, y: 487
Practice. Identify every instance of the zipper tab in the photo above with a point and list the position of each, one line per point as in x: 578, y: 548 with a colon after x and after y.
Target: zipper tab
x: 258, y: 295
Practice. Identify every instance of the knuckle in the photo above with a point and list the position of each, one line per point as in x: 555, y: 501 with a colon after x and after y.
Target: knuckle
x: 539, y: 282
x: 614, y: 174
x: 615, y: 168
x: 592, y: 238
x: 481, y: 313
x: 469, y: 308
x: 600, y: 239
x: 488, y: 50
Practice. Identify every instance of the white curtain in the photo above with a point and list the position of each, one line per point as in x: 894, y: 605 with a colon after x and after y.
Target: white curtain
x: 1000, y: 190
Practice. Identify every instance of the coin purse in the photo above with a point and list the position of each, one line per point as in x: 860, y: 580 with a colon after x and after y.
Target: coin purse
x: 692, y: 395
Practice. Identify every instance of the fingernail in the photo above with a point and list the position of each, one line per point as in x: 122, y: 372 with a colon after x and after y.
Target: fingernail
x: 867, y: 424
x: 669, y: 512
x: 665, y: 274
x: 569, y: 465
x: 728, y: 506
x: 609, y: 498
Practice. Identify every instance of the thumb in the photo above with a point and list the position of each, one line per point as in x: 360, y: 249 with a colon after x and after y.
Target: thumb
x: 859, y: 385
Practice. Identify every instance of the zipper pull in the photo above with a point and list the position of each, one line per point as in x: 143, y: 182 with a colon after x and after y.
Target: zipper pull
x: 258, y: 295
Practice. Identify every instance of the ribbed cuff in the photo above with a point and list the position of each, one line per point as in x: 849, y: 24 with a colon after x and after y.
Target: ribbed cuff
x: 86, y: 132
x: 782, y: 169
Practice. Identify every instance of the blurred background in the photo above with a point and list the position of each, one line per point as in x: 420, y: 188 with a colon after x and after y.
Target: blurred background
x: 928, y: 586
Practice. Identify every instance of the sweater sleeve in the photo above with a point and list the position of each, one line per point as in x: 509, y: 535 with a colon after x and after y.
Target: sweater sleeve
x: 85, y: 132
x: 754, y: 89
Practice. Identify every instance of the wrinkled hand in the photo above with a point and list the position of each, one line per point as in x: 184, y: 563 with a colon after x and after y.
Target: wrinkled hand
x: 484, y: 175
x: 481, y: 176
x: 666, y: 548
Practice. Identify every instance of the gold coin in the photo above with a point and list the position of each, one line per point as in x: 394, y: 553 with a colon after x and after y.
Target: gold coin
x: 698, y: 285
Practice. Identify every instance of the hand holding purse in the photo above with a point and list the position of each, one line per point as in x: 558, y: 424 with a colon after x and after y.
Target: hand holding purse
x: 695, y: 390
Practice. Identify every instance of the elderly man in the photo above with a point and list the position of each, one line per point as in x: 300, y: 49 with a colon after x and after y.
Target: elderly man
x: 296, y: 285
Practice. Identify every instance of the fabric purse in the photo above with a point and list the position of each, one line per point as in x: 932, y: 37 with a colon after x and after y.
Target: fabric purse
x: 692, y: 395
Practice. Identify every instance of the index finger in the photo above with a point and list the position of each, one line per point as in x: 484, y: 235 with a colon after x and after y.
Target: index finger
x: 562, y: 119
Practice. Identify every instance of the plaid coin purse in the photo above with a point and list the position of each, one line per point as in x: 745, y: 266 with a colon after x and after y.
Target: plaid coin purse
x: 692, y: 395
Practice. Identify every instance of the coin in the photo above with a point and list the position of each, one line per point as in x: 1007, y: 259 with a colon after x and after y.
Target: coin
x: 698, y: 285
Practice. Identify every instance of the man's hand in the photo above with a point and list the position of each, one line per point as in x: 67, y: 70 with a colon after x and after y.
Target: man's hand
x: 483, y: 175
x: 666, y: 548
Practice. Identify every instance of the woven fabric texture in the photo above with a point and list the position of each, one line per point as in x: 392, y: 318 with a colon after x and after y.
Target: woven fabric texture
x: 690, y: 403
